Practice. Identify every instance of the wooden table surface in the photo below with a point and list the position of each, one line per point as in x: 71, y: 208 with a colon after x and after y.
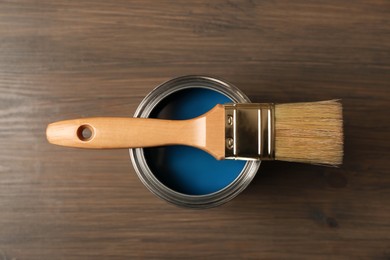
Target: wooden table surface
x: 67, y: 59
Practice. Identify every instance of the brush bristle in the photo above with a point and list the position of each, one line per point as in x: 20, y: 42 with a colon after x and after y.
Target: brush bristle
x: 309, y: 132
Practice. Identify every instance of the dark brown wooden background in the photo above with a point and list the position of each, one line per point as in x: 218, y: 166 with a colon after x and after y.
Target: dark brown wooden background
x: 66, y: 59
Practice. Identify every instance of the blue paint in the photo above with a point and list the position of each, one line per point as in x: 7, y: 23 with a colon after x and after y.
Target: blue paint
x: 186, y: 169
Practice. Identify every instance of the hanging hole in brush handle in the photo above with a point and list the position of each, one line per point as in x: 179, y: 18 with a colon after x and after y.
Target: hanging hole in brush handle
x: 85, y: 133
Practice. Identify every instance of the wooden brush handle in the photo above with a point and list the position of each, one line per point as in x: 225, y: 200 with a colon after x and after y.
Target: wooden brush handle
x: 205, y: 132
x: 106, y: 132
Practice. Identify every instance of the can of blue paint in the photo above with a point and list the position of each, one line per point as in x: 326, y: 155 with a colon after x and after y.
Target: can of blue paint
x: 186, y: 176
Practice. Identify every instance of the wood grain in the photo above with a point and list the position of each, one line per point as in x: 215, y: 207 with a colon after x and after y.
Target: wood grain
x: 69, y: 59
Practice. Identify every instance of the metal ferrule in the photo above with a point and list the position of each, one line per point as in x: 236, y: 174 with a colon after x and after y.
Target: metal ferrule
x: 249, y: 131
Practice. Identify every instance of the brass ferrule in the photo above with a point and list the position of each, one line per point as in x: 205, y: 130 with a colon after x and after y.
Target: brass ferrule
x: 249, y: 131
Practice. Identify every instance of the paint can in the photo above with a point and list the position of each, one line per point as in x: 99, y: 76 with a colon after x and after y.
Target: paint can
x: 186, y: 176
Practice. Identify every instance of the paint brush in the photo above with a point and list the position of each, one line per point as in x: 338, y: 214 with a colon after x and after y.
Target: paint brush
x: 309, y: 132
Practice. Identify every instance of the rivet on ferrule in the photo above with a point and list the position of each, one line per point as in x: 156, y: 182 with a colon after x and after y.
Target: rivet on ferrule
x: 229, y: 143
x: 249, y: 131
